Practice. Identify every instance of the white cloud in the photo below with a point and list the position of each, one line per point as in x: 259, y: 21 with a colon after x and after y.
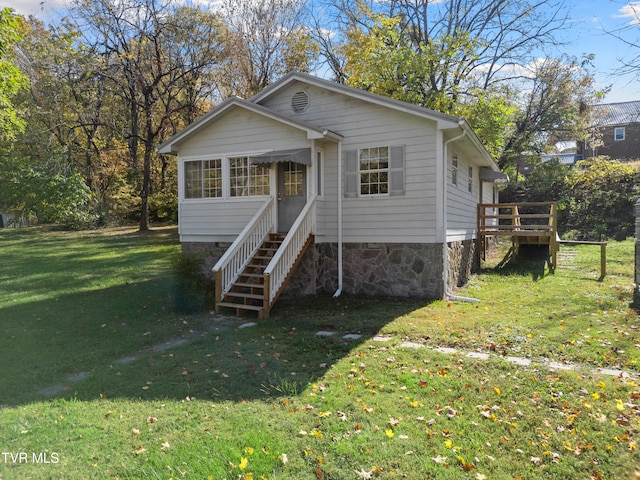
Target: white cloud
x: 38, y: 8
x: 630, y: 11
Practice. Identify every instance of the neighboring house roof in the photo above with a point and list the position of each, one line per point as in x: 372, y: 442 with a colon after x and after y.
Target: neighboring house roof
x: 564, y: 158
x: 611, y: 114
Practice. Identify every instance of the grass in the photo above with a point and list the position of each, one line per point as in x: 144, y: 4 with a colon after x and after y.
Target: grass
x: 144, y: 391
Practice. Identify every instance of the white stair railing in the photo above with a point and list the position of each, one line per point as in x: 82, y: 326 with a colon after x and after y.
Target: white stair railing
x: 286, y: 256
x: 243, y: 248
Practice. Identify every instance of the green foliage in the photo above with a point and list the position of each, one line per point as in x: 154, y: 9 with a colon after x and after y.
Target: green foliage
x: 12, y: 79
x: 46, y: 192
x: 163, y: 206
x: 595, y: 198
x: 603, y: 193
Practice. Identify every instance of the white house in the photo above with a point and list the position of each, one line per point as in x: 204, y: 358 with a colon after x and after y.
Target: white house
x: 376, y: 196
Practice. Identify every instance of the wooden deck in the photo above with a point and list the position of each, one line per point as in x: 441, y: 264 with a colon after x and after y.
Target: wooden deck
x: 532, y: 223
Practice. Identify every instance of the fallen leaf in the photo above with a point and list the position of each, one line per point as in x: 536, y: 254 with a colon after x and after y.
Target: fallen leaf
x: 439, y: 459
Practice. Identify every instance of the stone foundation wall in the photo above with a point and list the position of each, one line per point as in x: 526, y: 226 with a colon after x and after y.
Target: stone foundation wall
x: 388, y: 269
x: 463, y: 261
x: 212, y: 252
x: 399, y: 270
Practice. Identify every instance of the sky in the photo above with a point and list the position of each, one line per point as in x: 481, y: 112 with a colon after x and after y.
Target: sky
x: 591, y: 19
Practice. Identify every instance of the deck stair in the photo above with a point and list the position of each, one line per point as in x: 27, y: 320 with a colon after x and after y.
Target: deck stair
x: 250, y: 291
x: 533, y: 223
x: 247, y: 292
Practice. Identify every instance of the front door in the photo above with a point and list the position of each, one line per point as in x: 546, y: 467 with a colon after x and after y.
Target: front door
x: 292, y: 193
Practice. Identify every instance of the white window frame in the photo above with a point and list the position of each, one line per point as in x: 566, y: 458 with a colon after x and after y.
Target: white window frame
x: 370, y: 171
x: 225, y: 161
x: 616, y: 132
x: 454, y: 168
x: 470, y: 179
x: 203, y: 178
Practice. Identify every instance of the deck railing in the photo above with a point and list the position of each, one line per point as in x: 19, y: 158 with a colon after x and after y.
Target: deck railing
x: 285, y: 258
x: 517, y: 219
x: 243, y: 248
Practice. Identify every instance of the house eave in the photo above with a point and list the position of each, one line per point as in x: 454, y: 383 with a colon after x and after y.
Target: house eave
x: 171, y: 146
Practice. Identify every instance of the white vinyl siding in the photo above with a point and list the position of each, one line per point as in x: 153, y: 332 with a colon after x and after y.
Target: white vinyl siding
x: 237, y: 134
x: 462, y: 200
x: 406, y: 216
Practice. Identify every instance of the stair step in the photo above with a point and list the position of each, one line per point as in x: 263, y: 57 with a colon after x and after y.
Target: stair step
x: 247, y: 285
x: 251, y: 296
x: 251, y: 275
x: 255, y: 308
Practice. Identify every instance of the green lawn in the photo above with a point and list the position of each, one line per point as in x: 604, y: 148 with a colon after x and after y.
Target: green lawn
x: 104, y: 378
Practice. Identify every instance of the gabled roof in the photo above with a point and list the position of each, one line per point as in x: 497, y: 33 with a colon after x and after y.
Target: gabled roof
x: 611, y: 114
x: 169, y: 146
x: 448, y: 123
x: 445, y: 121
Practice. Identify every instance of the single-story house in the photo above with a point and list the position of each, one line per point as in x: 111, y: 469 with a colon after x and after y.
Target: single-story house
x: 371, y: 195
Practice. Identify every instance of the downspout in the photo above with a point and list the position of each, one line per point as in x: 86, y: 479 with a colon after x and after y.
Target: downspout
x: 339, y: 291
x: 445, y: 263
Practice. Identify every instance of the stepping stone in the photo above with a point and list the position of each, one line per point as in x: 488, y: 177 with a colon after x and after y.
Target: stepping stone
x: 78, y: 377
x: 352, y: 336
x: 52, y: 390
x: 478, y: 355
x: 614, y: 372
x: 522, y: 362
x: 411, y: 345
x: 380, y: 338
x: 323, y: 333
x: 446, y: 350
x: 247, y: 325
x: 560, y: 366
x: 168, y: 345
x: 124, y: 360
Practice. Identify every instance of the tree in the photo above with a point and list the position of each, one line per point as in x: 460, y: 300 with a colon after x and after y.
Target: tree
x: 469, y: 58
x: 12, y: 79
x: 557, y: 105
x: 628, y: 34
x: 152, y: 54
x: 264, y: 39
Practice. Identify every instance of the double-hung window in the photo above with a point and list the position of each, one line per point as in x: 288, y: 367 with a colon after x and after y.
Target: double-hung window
x: 618, y: 134
x: 374, y: 171
x: 203, y: 178
x: 246, y: 179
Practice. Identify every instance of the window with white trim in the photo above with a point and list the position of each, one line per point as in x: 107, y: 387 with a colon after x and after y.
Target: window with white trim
x: 374, y: 171
x: 203, y: 178
x: 470, y: 179
x: 618, y: 134
x: 246, y: 179
x: 454, y: 169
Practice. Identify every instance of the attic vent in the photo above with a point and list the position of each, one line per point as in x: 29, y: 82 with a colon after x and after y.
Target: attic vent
x: 300, y: 102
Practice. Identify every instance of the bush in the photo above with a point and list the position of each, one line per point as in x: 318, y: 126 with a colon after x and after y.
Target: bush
x: 193, y: 291
x: 595, y: 198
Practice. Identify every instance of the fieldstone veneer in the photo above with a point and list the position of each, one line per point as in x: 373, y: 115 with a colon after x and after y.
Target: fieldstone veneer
x: 389, y: 269
x: 392, y: 269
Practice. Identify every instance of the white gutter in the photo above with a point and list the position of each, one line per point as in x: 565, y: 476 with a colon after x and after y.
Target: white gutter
x: 445, y: 263
x: 339, y: 291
